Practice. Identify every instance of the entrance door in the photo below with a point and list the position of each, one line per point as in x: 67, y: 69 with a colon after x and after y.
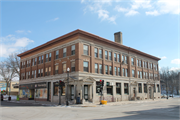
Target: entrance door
x: 72, y: 92
x: 134, y: 92
x: 49, y: 91
x: 86, y: 92
x: 149, y: 92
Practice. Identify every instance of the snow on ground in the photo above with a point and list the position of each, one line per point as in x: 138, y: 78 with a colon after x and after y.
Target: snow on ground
x: 13, y: 97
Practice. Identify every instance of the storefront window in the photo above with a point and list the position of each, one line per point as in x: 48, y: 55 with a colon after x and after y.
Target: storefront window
x: 24, y: 93
x: 41, y: 93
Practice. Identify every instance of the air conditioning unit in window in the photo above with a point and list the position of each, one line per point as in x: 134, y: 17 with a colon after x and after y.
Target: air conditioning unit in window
x: 111, y: 83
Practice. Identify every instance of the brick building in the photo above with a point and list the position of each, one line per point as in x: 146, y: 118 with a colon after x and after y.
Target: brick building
x: 128, y: 73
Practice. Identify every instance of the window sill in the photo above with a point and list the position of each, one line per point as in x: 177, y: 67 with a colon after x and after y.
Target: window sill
x: 117, y: 62
x: 108, y: 60
x: 86, y: 55
x: 98, y: 58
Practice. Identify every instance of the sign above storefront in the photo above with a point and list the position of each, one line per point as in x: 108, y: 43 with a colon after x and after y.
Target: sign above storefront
x: 33, y: 86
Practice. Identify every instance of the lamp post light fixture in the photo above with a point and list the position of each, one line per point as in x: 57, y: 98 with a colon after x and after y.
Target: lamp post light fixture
x: 68, y: 69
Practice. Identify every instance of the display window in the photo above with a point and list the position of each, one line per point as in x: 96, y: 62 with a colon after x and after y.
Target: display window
x: 24, y: 93
x: 41, y: 93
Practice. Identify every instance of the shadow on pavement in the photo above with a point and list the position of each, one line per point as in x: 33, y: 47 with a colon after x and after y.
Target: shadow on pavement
x: 171, y: 113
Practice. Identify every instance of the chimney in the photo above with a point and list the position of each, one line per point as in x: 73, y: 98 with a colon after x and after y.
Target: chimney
x: 118, y: 37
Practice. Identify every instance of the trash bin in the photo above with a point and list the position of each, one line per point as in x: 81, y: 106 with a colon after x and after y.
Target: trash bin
x: 17, y: 98
x: 78, y: 100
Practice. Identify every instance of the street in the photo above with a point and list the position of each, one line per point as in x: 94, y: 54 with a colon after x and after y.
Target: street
x: 165, y: 109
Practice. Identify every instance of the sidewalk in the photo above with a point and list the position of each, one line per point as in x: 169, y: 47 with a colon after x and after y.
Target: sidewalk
x: 47, y: 103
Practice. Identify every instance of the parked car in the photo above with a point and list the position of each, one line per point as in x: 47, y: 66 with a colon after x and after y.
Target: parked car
x: 2, y: 97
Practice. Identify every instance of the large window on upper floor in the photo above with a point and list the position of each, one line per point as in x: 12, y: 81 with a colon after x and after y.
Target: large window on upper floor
x: 86, y: 66
x: 64, y: 68
x: 46, y: 57
x: 73, y: 50
x: 110, y: 70
x: 110, y: 55
x: 106, y: 55
x: 56, y: 69
x: 95, y: 52
x: 42, y: 59
x: 115, y: 57
x: 118, y: 58
x: 133, y: 73
x: 100, y: 68
x: 39, y: 60
x: 72, y: 66
x: 119, y: 72
x: 106, y: 69
x: 125, y: 72
x: 124, y: 59
x: 35, y: 61
x: 64, y: 52
x: 100, y: 53
x: 96, y: 68
x: 132, y: 61
x: 115, y: 70
x: 57, y: 54
x: 85, y: 50
x: 49, y: 56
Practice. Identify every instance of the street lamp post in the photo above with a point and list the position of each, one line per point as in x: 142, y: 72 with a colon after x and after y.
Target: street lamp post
x: 67, y: 86
x: 167, y: 85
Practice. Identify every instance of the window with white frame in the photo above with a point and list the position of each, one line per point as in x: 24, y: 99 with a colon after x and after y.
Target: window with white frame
x: 64, y: 52
x: 100, y: 69
x: 73, y: 50
x: 95, y: 52
x: 46, y: 57
x: 57, y: 54
x: 119, y: 72
x: 96, y: 68
x: 64, y: 68
x: 110, y: 70
x: 110, y: 56
x: 118, y: 58
x: 100, y: 53
x: 85, y: 50
x: 115, y: 70
x: 106, y: 69
x: 86, y: 66
x: 49, y: 56
x: 133, y: 74
x: 106, y: 55
x: 56, y: 69
x: 115, y: 57
x: 73, y: 66
x: 39, y: 60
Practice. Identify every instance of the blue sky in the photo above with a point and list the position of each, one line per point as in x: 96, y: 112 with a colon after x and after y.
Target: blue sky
x: 151, y: 26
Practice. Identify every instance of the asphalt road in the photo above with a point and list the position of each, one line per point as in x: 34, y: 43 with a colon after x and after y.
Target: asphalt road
x: 5, y: 103
x: 157, y: 110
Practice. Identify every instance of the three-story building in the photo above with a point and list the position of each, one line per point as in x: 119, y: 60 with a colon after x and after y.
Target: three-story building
x: 128, y: 73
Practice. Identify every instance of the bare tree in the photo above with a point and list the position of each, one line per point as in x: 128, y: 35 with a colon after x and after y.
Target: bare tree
x: 170, y: 78
x: 7, y: 73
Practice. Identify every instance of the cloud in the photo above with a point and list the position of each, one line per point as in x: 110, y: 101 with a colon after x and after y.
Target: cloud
x: 54, y: 19
x: 22, y: 31
x: 11, y: 43
x: 175, y: 69
x: 175, y: 61
x: 131, y: 13
x: 164, y: 57
x: 103, y: 8
x: 155, y: 13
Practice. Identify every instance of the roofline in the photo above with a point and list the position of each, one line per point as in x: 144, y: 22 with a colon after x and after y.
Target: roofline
x: 78, y: 31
